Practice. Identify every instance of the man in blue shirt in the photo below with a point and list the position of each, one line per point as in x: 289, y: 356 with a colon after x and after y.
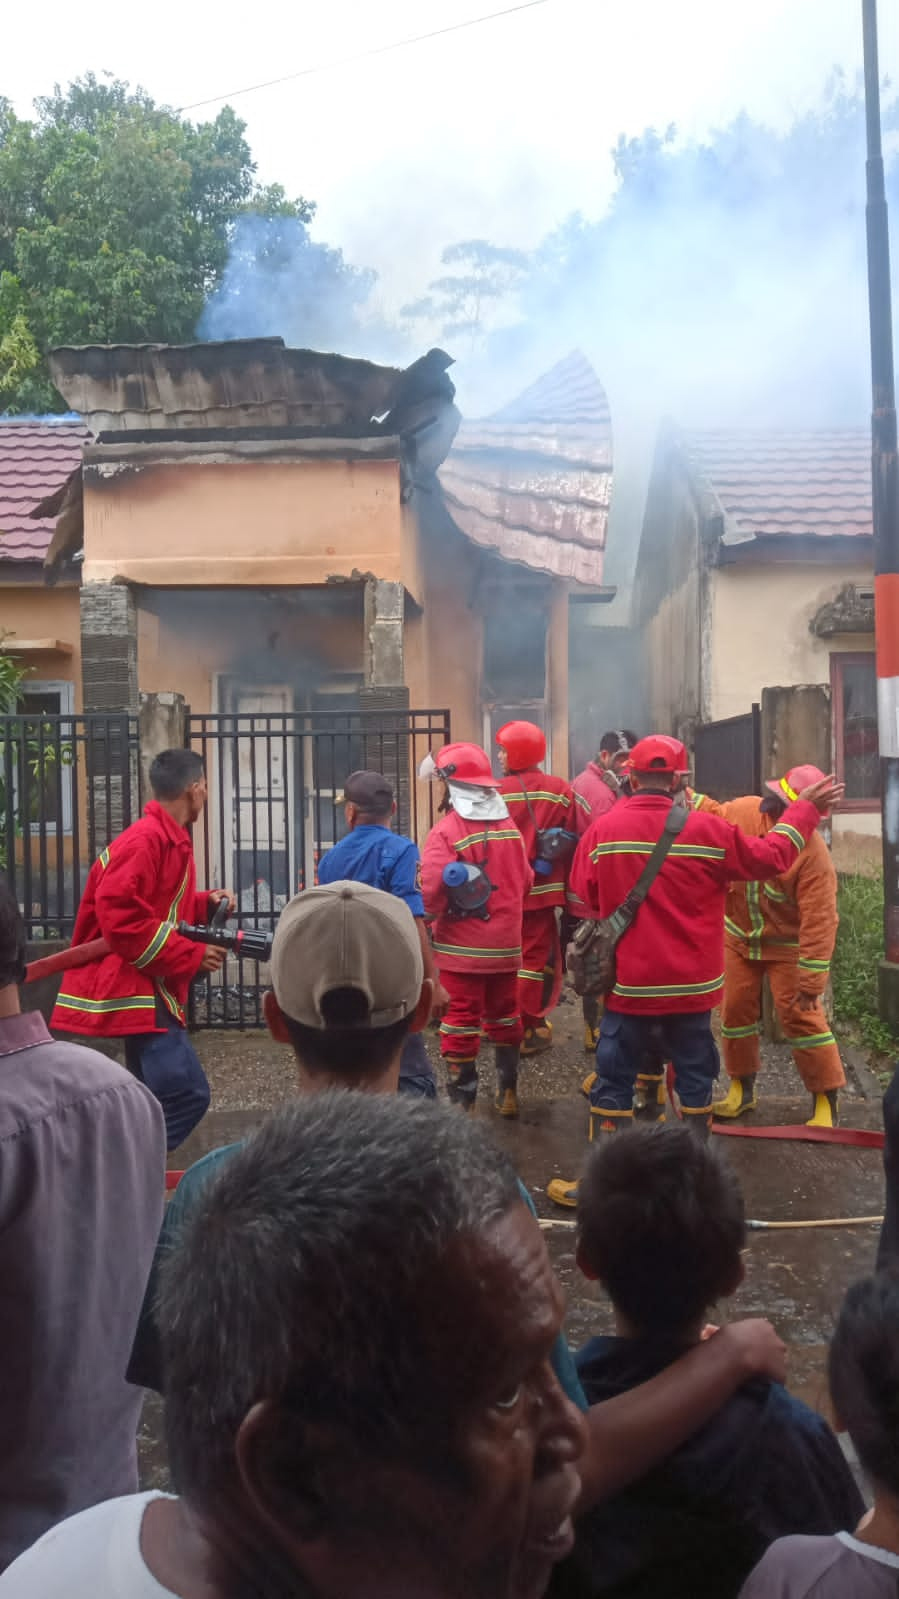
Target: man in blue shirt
x: 372, y: 853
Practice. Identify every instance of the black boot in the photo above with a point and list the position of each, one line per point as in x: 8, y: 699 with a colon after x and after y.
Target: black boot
x: 462, y: 1086
x: 507, y: 1058
x: 699, y: 1123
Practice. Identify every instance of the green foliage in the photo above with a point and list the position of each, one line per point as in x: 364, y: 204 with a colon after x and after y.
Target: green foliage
x: 858, y: 953
x: 463, y: 300
x: 116, y: 217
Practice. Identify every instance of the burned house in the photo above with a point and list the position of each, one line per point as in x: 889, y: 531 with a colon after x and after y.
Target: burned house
x: 296, y: 543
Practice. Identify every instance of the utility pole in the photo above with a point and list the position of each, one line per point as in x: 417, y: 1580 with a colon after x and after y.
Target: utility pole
x: 885, y: 504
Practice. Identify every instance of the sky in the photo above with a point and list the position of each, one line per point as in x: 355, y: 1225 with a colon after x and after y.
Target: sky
x: 499, y: 130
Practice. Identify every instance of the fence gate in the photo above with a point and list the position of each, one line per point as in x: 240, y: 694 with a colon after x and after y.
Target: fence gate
x: 68, y: 784
x: 728, y: 756
x: 275, y: 784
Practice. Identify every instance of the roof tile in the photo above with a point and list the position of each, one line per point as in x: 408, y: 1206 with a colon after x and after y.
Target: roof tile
x: 36, y: 457
x: 785, y: 484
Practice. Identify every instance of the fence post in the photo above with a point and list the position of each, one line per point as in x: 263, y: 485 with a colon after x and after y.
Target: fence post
x: 162, y: 725
x: 109, y: 687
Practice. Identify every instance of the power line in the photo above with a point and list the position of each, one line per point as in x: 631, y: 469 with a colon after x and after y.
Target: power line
x: 364, y: 55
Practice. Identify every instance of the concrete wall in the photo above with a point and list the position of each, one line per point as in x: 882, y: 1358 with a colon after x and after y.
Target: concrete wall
x: 33, y: 611
x: 759, y: 633
x: 251, y: 523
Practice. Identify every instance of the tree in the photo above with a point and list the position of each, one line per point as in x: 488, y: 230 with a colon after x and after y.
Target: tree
x: 116, y: 220
x: 461, y: 302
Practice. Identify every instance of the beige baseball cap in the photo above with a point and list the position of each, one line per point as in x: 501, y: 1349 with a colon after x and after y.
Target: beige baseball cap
x: 347, y: 935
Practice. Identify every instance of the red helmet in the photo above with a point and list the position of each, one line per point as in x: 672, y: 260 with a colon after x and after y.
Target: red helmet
x: 465, y: 763
x: 659, y: 753
x: 524, y: 744
x: 798, y: 777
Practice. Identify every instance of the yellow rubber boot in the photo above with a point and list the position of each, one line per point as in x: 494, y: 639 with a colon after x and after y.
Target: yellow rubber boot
x: 506, y: 1102
x: 562, y: 1193
x: 826, y: 1110
x: 591, y: 1038
x: 537, y: 1039
x: 740, y: 1098
x: 587, y: 1084
x: 650, y: 1098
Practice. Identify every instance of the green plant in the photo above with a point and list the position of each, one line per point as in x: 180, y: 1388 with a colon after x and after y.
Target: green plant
x: 856, y: 959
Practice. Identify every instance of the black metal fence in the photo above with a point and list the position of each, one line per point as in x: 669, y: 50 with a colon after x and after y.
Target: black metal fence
x: 68, y: 784
x: 275, y: 787
x: 728, y: 756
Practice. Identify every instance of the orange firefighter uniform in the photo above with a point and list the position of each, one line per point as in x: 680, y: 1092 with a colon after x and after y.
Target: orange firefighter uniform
x: 785, y: 929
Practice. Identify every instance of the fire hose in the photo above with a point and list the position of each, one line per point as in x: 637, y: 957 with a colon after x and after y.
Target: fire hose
x: 249, y: 943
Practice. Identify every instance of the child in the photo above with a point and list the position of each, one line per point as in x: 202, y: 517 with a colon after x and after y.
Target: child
x: 864, y: 1387
x: 661, y: 1226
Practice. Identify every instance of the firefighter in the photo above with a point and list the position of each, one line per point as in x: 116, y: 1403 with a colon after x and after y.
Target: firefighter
x: 542, y: 808
x: 783, y: 929
x: 670, y: 963
x: 475, y: 877
x: 141, y: 886
x: 596, y: 789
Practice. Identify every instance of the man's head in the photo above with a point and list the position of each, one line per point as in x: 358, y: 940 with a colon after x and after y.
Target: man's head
x: 348, y: 985
x: 659, y: 763
x: 614, y: 749
x: 12, y: 943
x: 357, y: 1326
x: 522, y: 746
x: 178, y: 781
x: 782, y: 791
x: 661, y: 1225
x: 368, y: 800
x: 864, y: 1375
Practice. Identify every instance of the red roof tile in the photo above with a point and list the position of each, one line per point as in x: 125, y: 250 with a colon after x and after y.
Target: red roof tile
x: 533, y: 481
x: 784, y: 484
x: 35, y: 460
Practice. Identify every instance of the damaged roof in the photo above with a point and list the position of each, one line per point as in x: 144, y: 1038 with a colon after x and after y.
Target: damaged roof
x: 781, y: 485
x: 533, y: 481
x: 37, y: 458
x: 236, y: 383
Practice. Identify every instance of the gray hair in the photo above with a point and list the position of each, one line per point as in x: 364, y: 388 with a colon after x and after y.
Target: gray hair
x: 309, y: 1272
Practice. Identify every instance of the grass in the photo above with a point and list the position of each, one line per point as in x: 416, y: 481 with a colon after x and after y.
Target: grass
x: 856, y: 958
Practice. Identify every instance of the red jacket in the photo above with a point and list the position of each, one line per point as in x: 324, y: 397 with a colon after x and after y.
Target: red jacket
x: 595, y: 792
x: 672, y: 958
x: 552, y: 804
x: 466, y: 943
x: 137, y: 891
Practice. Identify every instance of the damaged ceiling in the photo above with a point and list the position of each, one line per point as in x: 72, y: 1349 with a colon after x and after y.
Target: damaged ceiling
x: 533, y: 481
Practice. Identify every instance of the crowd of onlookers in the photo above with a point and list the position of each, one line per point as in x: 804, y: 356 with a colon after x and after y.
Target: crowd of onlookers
x: 355, y: 1325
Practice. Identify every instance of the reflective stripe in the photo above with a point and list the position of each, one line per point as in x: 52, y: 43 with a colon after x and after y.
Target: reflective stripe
x: 756, y: 919
x: 157, y: 942
x: 814, y: 966
x: 731, y: 927
x: 629, y: 991
x: 544, y: 888
x: 813, y: 1041
x: 702, y: 852
x: 170, y: 1000
x: 537, y: 794
x: 742, y: 1032
x: 697, y: 801
x: 484, y: 837
x: 481, y: 952
x: 104, y: 858
x: 460, y: 1032
x: 75, y: 1002
x: 791, y: 833
x: 790, y: 792
x: 584, y: 804
x: 531, y: 977
x: 502, y: 1021
x: 775, y: 894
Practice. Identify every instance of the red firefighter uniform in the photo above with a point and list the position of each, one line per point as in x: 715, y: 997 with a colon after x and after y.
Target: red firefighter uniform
x: 136, y: 892
x: 478, y: 959
x: 783, y: 928
x: 538, y: 802
x: 672, y: 959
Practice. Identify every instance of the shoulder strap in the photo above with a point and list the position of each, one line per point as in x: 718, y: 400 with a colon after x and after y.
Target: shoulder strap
x: 627, y: 910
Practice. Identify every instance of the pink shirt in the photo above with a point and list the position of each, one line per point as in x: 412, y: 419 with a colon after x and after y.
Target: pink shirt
x: 592, y: 788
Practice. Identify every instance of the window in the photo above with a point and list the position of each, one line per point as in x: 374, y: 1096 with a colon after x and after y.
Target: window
x: 44, y: 759
x: 854, y: 685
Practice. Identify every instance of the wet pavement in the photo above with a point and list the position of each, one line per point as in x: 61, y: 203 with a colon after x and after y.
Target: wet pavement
x: 797, y: 1278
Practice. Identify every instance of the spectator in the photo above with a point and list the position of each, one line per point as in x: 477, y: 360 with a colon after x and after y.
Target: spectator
x: 661, y: 1225
x: 348, y: 990
x: 864, y: 1388
x: 372, y: 853
x: 81, y: 1194
x: 357, y: 1324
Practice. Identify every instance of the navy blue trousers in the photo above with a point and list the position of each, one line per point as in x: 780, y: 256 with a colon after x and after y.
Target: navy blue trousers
x: 169, y: 1066
x: 416, y: 1071
x: 631, y: 1044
